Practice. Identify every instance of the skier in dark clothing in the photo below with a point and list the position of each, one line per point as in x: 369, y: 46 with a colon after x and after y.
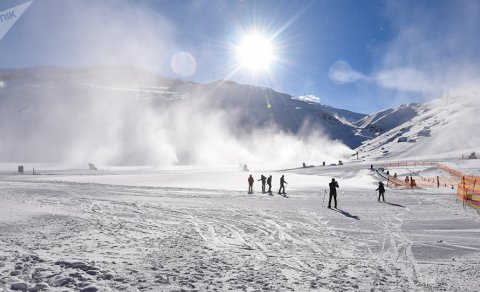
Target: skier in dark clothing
x: 333, y: 193
x: 381, y: 191
x: 263, y: 179
x: 250, y: 184
x: 282, y: 186
x: 269, y: 183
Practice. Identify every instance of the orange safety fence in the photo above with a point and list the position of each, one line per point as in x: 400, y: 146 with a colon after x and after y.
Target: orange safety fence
x: 414, y: 163
x: 468, y: 189
x: 398, y: 183
x: 450, y: 170
x: 424, y: 182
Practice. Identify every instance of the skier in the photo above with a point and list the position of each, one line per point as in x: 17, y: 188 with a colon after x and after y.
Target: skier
x: 250, y: 184
x: 263, y: 179
x: 282, y: 186
x: 269, y: 183
x: 333, y: 193
x: 412, y: 182
x: 381, y: 191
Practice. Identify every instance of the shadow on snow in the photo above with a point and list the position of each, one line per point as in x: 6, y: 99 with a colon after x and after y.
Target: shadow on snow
x: 345, y: 213
x: 396, y: 205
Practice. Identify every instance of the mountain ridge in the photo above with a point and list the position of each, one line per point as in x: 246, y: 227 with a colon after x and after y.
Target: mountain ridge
x: 34, y: 100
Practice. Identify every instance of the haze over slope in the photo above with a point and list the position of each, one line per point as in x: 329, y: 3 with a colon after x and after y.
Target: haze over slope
x: 125, y: 115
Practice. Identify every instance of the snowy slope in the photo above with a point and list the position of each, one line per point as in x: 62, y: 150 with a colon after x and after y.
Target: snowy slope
x: 260, y: 107
x: 345, y: 116
x: 447, y: 126
x: 383, y: 121
x: 78, y: 232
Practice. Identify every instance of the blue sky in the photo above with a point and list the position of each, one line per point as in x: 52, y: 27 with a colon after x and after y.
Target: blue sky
x: 362, y: 55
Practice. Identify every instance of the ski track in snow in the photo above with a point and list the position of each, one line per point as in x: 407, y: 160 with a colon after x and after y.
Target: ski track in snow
x: 106, y: 237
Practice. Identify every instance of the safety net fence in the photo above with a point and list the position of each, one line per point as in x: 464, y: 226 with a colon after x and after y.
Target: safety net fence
x: 468, y: 189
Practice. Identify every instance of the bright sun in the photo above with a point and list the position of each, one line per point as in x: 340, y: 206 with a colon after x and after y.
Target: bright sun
x: 255, y: 52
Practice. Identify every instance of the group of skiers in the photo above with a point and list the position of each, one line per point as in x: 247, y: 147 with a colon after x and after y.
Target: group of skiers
x: 410, y: 182
x: 267, y: 181
x: 333, y: 185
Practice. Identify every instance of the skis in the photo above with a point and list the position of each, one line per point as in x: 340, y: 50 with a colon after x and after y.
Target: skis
x: 270, y: 194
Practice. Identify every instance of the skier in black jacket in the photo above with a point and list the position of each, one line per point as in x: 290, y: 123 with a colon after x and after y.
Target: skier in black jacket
x: 381, y: 191
x: 333, y: 193
x: 263, y: 179
x: 282, y: 186
x: 269, y: 183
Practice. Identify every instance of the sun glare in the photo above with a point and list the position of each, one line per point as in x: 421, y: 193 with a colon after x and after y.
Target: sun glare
x: 255, y: 52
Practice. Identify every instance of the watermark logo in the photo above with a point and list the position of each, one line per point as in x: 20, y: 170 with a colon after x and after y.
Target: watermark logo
x: 10, y: 16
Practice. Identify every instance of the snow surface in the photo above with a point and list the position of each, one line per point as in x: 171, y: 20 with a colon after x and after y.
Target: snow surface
x: 196, y: 229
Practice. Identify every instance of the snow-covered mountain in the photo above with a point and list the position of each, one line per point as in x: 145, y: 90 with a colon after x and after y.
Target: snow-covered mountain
x: 260, y: 107
x: 447, y: 126
x: 57, y: 114
x: 48, y: 113
x: 345, y: 116
x: 381, y: 122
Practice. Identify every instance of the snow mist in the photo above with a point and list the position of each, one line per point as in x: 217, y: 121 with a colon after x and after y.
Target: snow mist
x: 109, y: 113
x: 127, y: 116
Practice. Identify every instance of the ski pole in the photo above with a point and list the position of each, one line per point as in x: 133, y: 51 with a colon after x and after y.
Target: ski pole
x: 324, y: 193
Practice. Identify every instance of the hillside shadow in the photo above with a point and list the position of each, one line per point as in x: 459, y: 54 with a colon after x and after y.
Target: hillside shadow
x: 346, y: 214
x: 396, y: 205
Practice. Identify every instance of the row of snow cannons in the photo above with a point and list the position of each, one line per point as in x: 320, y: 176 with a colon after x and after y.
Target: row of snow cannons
x: 468, y: 189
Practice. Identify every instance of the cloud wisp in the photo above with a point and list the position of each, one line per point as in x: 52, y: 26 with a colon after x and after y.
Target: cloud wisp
x: 341, y: 72
x: 434, y: 50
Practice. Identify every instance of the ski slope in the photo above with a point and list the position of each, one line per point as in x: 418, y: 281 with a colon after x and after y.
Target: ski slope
x: 444, y: 127
x: 195, y: 229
